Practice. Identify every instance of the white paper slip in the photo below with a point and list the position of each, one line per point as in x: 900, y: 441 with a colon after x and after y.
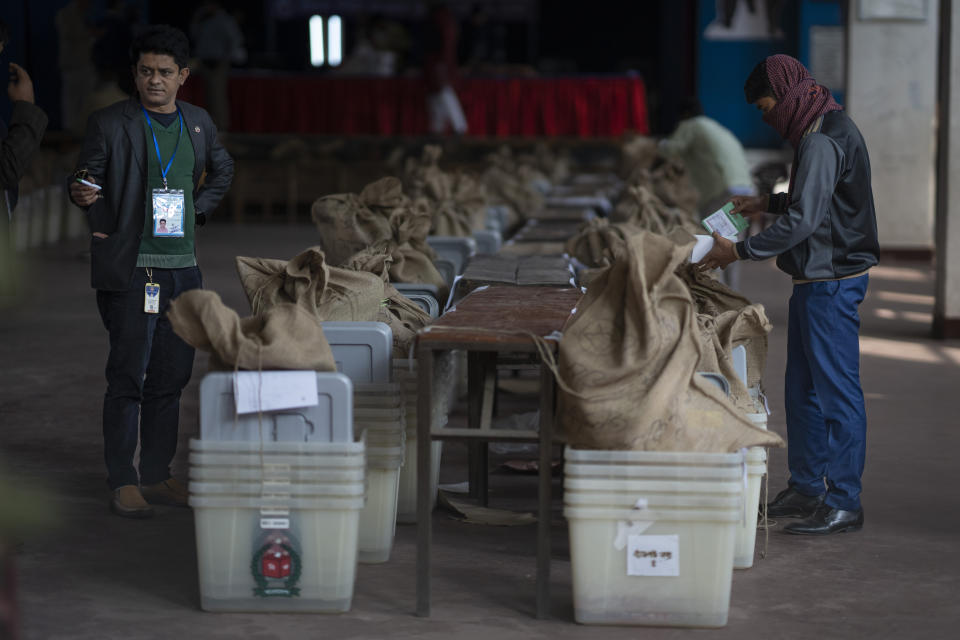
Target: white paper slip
x: 702, y: 248
x: 272, y: 390
x: 653, y: 556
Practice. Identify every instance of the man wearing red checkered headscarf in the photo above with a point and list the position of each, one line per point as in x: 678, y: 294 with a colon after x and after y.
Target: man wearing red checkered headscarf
x: 825, y: 238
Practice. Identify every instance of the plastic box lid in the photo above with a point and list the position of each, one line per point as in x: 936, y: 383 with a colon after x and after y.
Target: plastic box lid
x: 330, y: 420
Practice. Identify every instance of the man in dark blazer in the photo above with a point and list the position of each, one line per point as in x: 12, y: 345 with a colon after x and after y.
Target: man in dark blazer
x: 147, y: 156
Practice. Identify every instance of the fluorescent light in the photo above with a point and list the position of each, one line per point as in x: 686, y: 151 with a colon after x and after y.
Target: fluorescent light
x: 335, y: 38
x: 316, y: 41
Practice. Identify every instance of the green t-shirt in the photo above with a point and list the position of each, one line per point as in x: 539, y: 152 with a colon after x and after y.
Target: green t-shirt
x: 169, y: 253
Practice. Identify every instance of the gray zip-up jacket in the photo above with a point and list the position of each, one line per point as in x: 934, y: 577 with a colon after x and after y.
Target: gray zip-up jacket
x: 827, y: 227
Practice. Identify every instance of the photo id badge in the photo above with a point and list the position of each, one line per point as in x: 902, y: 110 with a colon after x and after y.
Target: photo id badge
x: 168, y: 205
x: 151, y: 298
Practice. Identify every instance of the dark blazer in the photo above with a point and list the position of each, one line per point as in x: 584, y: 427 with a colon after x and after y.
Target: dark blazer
x: 115, y: 154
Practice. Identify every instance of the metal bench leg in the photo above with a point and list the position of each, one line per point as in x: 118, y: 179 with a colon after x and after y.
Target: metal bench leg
x: 424, y: 499
x: 546, y: 481
x: 482, y: 387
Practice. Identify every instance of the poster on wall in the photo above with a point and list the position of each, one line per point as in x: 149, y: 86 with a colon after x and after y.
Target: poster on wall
x: 746, y: 20
x: 892, y: 10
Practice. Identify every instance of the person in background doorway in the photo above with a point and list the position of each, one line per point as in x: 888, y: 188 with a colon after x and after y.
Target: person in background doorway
x: 19, y: 142
x: 78, y: 77
x: 825, y: 238
x: 715, y: 161
x: 440, y: 69
x: 148, y: 154
x: 218, y: 44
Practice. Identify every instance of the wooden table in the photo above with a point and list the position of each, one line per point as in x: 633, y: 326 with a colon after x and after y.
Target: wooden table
x: 488, y: 322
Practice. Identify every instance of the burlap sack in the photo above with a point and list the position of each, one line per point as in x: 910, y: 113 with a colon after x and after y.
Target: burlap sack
x: 600, y: 243
x: 412, y: 256
x: 424, y: 179
x: 672, y: 185
x: 750, y: 328
x: 404, y: 317
x: 512, y: 184
x: 284, y: 337
x: 349, y: 223
x: 327, y: 293
x: 447, y: 220
x: 715, y: 299
x: 637, y: 154
x: 347, y: 226
x: 709, y: 294
x: 628, y: 361
x: 470, y: 197
x: 641, y: 207
x: 380, y: 216
x: 747, y: 327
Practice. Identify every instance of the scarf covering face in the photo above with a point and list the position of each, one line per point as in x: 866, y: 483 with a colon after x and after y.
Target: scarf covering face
x: 800, y: 100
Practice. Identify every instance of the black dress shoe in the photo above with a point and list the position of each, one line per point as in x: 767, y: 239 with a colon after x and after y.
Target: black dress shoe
x: 827, y: 519
x: 790, y: 503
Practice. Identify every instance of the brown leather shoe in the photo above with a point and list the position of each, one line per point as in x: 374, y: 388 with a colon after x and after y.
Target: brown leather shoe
x: 169, y: 492
x: 128, y: 502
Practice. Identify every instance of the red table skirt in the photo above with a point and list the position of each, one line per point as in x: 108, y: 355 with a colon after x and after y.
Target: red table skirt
x: 503, y: 106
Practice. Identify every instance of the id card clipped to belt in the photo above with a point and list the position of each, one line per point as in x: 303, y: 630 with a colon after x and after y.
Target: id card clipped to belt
x: 168, y: 206
x: 151, y: 295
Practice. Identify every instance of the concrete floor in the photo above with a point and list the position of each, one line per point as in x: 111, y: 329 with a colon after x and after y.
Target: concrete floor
x: 99, y: 576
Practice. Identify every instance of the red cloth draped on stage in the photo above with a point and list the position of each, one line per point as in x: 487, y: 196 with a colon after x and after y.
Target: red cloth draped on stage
x: 502, y: 106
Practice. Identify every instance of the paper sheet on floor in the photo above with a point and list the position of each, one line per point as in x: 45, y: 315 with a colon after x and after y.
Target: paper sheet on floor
x: 475, y: 514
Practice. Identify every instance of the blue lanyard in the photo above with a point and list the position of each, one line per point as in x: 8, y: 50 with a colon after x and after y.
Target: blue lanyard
x: 156, y: 145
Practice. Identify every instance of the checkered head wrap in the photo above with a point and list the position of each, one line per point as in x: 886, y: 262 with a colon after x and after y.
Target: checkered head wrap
x: 800, y: 100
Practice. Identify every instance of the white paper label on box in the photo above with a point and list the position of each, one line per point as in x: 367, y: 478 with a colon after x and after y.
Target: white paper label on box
x: 271, y: 390
x: 274, y: 523
x: 653, y: 556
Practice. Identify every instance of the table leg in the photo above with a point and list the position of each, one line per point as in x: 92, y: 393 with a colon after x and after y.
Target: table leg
x: 546, y: 480
x: 482, y: 388
x: 474, y: 402
x: 424, y: 499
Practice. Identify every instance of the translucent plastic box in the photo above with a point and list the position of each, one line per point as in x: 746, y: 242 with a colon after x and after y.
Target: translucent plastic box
x: 694, y: 549
x: 254, y: 556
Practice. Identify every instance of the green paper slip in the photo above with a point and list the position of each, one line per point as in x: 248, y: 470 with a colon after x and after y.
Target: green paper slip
x: 725, y: 223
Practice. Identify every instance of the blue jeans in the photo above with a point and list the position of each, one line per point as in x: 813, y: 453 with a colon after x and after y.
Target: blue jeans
x: 147, y: 369
x: 826, y: 419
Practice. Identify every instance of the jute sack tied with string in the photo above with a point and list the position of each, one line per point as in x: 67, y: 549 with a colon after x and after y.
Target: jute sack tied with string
x: 672, y: 184
x: 720, y: 334
x: 412, y: 256
x: 352, y: 222
x: 380, y: 216
x: 600, y: 243
x: 715, y: 299
x: 404, y: 317
x: 628, y: 360
x: 283, y: 337
x: 457, y: 201
x: 637, y: 155
x: 513, y: 184
x: 641, y: 207
x: 327, y: 293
